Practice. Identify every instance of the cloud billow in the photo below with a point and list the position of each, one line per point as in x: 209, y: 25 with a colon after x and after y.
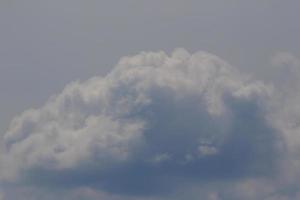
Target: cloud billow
x: 154, y: 121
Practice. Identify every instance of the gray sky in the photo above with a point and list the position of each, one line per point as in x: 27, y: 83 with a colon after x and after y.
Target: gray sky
x: 46, y: 44
x: 102, y: 138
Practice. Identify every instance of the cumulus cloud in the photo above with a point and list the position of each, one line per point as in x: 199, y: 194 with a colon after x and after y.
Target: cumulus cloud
x: 154, y: 124
x: 286, y: 115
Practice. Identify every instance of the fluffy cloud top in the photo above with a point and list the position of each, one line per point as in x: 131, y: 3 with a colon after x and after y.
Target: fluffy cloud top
x: 154, y: 123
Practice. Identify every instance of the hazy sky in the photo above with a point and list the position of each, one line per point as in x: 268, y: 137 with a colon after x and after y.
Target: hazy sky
x: 45, y: 45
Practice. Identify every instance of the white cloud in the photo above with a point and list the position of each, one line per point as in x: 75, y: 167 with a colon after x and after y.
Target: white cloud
x: 186, y: 113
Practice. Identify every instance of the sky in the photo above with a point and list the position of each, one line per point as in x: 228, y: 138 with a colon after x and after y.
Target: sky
x: 150, y: 100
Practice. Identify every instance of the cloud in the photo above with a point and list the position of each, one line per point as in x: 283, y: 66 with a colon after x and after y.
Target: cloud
x: 154, y: 124
x: 285, y: 59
